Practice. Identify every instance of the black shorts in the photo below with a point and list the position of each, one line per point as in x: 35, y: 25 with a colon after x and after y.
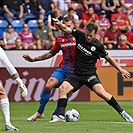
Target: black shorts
x: 78, y: 81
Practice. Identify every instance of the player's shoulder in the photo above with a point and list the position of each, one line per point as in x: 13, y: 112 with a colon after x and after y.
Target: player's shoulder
x: 98, y: 43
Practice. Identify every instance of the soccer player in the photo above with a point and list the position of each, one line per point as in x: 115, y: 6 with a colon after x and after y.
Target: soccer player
x: 66, y: 43
x: 88, y: 50
x: 4, y: 102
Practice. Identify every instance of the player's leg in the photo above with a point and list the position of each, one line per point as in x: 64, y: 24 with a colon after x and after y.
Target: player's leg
x: 100, y: 91
x: 71, y: 84
x: 51, y: 83
x: 4, y: 104
x: 56, y: 78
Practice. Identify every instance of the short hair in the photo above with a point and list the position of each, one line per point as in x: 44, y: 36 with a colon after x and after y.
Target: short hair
x: 67, y: 19
x: 70, y: 9
x: 91, y: 26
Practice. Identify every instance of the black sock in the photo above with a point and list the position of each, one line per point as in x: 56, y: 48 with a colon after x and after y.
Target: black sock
x: 112, y: 102
x: 62, y: 103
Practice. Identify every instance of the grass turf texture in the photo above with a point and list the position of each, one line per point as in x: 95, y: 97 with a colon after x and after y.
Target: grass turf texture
x: 95, y: 117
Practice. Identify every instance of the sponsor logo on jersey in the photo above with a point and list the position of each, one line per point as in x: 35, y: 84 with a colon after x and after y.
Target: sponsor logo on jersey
x: 68, y: 44
x: 84, y: 50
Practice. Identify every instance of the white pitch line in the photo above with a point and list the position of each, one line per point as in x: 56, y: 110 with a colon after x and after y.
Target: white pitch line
x: 112, y: 122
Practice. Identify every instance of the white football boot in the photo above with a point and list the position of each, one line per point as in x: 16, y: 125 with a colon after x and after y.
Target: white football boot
x: 35, y: 116
x: 59, y: 118
x: 11, y: 128
x: 126, y: 116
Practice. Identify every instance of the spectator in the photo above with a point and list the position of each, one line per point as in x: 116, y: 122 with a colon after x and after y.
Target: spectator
x: 29, y: 10
x: 45, y: 8
x: 129, y: 14
x: 18, y: 44
x: 13, y: 10
x: 43, y: 36
x: 56, y: 14
x: 75, y: 19
x: 1, y: 10
x: 122, y: 43
x: 109, y: 6
x: 111, y: 36
x: 63, y: 5
x: 104, y: 23
x: 95, y: 3
x: 27, y: 38
x: 89, y: 16
x: 121, y: 18
x: 9, y: 38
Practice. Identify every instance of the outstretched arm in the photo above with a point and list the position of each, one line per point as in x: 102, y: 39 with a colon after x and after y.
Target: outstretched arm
x: 39, y: 58
x: 124, y: 73
x: 13, y: 72
x: 62, y: 27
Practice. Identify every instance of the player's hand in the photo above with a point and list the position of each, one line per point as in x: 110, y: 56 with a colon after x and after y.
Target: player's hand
x: 23, y: 90
x: 28, y: 58
x: 125, y: 74
x: 56, y: 21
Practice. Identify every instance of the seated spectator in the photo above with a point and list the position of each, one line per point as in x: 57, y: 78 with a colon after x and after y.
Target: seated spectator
x: 109, y: 6
x: 72, y: 14
x: 111, y: 36
x: 63, y: 5
x: 29, y: 10
x: 45, y: 8
x: 18, y: 43
x: 56, y: 14
x: 1, y: 10
x: 129, y: 14
x: 27, y: 38
x: 43, y: 36
x: 2, y: 43
x: 100, y: 35
x: 13, y: 10
x: 122, y: 43
x: 95, y: 3
x: 104, y: 23
x: 9, y: 38
x: 89, y: 16
x: 121, y: 18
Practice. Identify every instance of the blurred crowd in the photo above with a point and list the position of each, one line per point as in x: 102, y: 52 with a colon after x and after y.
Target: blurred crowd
x: 114, y: 18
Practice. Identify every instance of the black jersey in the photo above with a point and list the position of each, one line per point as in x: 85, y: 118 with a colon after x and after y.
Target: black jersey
x: 87, y: 53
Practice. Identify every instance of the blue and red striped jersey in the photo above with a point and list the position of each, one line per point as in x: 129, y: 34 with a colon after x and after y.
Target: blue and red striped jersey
x: 68, y: 45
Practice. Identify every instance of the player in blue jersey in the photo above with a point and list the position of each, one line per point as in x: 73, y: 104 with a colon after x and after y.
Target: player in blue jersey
x: 66, y: 43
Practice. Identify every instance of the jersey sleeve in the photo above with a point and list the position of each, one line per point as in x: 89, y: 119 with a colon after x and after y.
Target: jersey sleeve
x: 56, y: 48
x: 102, y: 52
x: 76, y: 33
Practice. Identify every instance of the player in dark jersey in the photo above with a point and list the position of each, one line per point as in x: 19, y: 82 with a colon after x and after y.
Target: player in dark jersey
x: 67, y: 43
x: 88, y: 50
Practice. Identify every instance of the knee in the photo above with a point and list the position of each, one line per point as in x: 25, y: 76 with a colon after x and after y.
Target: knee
x: 62, y: 90
x: 48, y: 86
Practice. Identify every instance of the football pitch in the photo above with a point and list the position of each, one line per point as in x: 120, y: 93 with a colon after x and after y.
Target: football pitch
x: 95, y: 117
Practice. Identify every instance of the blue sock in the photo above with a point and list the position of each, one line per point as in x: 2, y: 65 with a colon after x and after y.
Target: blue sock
x: 44, y: 100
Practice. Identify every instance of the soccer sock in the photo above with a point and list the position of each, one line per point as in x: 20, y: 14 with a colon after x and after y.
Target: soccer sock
x: 112, y: 102
x: 4, y: 104
x: 62, y: 103
x: 44, y: 100
x: 56, y: 110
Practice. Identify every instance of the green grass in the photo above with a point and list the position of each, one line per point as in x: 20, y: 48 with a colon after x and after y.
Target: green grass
x: 95, y: 117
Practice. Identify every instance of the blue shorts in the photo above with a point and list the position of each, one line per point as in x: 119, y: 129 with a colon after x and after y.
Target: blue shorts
x: 61, y: 74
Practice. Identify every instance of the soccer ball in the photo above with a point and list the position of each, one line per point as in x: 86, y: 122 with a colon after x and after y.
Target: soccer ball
x: 72, y: 115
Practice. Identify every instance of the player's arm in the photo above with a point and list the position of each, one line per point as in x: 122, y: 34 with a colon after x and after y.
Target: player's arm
x: 39, y: 58
x: 124, y: 73
x: 13, y: 72
x: 62, y: 27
